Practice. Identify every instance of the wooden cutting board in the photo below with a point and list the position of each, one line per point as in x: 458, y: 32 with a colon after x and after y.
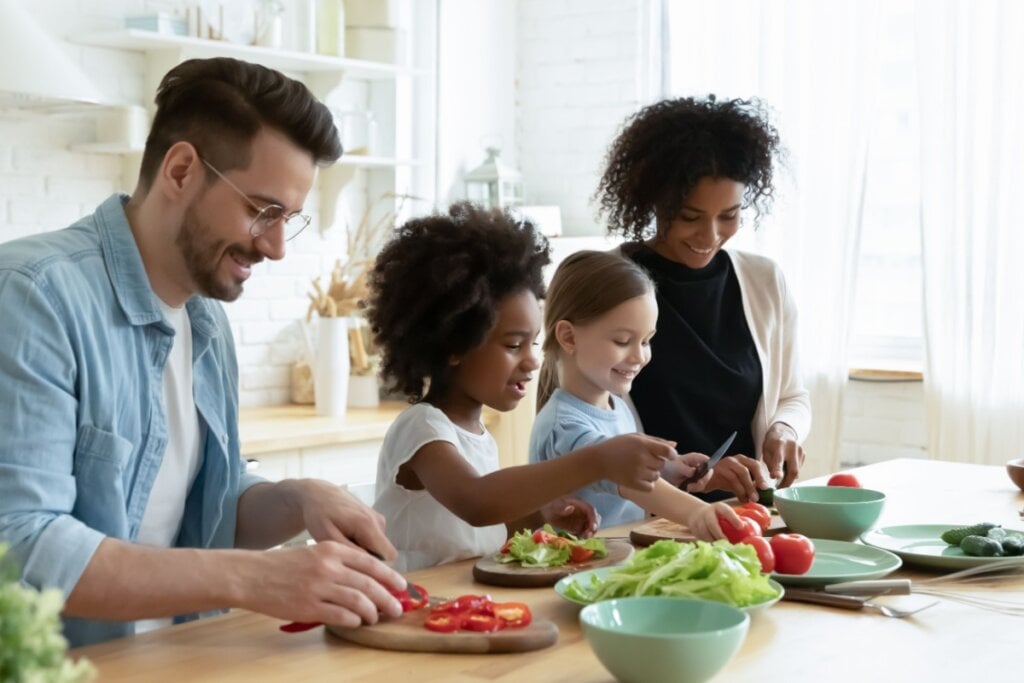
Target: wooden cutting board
x: 661, y: 529
x: 490, y: 571
x: 408, y: 634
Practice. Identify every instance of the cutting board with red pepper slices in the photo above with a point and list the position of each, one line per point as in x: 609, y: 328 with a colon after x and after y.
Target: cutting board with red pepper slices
x: 513, y: 574
x: 661, y: 529
x: 407, y: 633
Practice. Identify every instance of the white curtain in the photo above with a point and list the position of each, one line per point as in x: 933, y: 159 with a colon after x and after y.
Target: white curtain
x: 971, y: 70
x: 814, y: 64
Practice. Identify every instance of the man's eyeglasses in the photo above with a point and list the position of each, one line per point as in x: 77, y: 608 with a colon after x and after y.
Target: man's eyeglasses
x: 266, y: 216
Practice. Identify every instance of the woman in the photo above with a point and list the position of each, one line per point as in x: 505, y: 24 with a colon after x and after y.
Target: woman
x: 725, y: 356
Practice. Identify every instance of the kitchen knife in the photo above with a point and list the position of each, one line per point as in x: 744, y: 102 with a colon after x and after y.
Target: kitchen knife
x: 711, y: 462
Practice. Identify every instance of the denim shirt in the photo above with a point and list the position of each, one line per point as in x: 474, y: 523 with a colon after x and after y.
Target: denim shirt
x: 83, y: 344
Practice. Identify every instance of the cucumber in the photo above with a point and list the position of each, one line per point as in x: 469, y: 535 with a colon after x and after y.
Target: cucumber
x: 997, y: 533
x: 981, y: 546
x: 957, y: 534
x: 766, y: 497
x: 1013, y: 544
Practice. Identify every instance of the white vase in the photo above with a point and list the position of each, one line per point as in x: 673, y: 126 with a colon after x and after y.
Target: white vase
x: 331, y: 369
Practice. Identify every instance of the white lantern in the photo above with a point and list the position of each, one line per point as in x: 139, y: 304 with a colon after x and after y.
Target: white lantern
x: 494, y: 184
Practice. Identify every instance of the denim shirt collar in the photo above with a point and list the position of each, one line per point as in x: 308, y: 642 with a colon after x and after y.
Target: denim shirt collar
x: 130, y: 281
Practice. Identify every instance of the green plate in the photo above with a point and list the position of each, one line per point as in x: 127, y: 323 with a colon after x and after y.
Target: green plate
x: 601, y: 572
x: 920, y: 544
x: 836, y: 561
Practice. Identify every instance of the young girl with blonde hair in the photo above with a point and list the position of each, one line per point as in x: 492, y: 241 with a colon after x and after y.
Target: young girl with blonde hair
x: 599, y: 318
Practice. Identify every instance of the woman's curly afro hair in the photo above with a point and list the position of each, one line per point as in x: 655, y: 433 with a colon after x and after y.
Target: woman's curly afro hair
x: 666, y: 148
x: 436, y: 284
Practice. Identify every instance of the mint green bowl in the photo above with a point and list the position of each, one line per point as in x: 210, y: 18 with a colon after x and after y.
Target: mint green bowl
x: 659, y: 639
x: 841, y: 513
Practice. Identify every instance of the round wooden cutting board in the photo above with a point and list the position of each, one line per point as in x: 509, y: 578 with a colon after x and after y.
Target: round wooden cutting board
x: 408, y: 634
x: 490, y: 571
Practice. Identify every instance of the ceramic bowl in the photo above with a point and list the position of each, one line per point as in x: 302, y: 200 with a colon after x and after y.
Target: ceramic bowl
x: 1015, y: 468
x: 663, y: 639
x: 841, y: 513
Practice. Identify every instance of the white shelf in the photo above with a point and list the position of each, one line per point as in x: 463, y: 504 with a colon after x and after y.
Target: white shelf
x: 362, y: 161
x: 105, y: 148
x: 282, y: 60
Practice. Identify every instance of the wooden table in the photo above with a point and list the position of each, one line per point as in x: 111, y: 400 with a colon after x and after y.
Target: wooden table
x: 789, y: 642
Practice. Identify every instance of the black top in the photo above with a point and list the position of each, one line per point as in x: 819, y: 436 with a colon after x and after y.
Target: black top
x: 704, y: 379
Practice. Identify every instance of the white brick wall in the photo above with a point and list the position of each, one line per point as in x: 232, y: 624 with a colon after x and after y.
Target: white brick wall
x: 882, y: 420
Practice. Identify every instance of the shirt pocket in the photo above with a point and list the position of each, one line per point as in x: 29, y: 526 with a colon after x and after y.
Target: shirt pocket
x: 101, y: 458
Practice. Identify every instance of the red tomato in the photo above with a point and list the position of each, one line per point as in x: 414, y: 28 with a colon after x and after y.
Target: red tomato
x: 443, y: 622
x: 467, y: 603
x: 749, y: 528
x: 580, y: 554
x: 794, y: 553
x: 757, y: 512
x: 408, y: 602
x: 844, y: 479
x: 541, y: 536
x: 513, y: 614
x: 482, y: 622
x: 764, y: 552
x: 505, y: 549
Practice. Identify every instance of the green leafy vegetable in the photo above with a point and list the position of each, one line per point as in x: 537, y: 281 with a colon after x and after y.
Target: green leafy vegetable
x: 717, y: 571
x: 546, y: 548
x: 31, y: 645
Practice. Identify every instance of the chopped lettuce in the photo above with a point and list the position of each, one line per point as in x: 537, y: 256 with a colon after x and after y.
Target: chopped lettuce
x: 717, y: 571
x: 522, y: 548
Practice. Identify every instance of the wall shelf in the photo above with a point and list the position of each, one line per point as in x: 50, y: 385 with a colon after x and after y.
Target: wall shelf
x: 282, y: 60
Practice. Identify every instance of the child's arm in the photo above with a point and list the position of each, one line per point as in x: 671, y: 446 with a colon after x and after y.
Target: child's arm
x: 631, y: 460
x: 665, y: 500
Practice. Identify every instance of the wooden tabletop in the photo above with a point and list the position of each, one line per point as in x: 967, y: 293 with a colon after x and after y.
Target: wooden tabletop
x: 789, y: 642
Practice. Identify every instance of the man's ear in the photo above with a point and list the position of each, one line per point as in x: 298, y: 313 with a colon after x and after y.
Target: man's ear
x: 565, y: 335
x: 181, y: 171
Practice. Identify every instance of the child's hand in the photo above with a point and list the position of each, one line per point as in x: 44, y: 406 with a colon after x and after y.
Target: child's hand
x: 635, y: 460
x: 703, y: 521
x: 573, y: 514
x: 682, y: 466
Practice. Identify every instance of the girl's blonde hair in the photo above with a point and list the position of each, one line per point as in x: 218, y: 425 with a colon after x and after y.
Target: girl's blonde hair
x: 586, y: 285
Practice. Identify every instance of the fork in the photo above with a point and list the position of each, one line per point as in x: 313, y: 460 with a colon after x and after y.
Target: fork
x: 850, y: 602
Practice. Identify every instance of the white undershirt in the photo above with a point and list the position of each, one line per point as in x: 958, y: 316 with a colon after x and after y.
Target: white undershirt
x: 161, y: 520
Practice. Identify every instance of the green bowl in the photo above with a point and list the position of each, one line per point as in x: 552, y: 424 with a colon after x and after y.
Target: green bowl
x: 841, y: 513
x: 661, y: 639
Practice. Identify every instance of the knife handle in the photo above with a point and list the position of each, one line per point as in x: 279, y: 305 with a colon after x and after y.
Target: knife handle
x: 819, y: 598
x: 875, y: 587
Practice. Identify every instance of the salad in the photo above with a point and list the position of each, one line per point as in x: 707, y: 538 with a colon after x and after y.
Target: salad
x: 718, y: 571
x: 547, y: 548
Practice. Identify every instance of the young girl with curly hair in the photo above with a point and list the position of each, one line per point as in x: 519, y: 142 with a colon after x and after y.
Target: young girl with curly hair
x: 454, y: 308
x: 725, y: 358
x: 599, y: 321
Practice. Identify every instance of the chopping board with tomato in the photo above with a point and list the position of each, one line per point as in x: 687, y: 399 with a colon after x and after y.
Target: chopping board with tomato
x: 661, y: 529
x: 456, y: 630
x: 515, y: 575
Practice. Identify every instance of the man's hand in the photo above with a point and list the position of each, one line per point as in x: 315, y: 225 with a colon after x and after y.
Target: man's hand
x: 332, y: 583
x: 330, y: 513
x: 782, y: 453
x: 575, y: 515
x: 740, y: 474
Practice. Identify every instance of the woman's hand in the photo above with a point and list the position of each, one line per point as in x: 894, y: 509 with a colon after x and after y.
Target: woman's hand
x: 740, y: 474
x: 782, y: 453
x: 575, y: 515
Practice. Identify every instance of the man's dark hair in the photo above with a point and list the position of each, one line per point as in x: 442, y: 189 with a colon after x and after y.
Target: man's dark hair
x: 220, y: 105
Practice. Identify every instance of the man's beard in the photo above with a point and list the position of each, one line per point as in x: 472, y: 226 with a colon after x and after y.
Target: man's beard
x: 203, y: 255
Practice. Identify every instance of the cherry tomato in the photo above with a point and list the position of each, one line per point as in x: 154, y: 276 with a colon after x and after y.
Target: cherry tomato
x: 513, y: 614
x: 443, y: 622
x: 505, y: 549
x: 794, y: 553
x: 844, y: 479
x: 580, y: 554
x: 764, y: 552
x: 757, y: 512
x: 541, y: 536
x: 482, y: 622
x: 748, y: 528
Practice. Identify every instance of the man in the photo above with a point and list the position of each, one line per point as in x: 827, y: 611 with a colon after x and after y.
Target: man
x: 121, y: 480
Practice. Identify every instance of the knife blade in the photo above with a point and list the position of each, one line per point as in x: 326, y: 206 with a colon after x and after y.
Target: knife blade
x: 703, y: 468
